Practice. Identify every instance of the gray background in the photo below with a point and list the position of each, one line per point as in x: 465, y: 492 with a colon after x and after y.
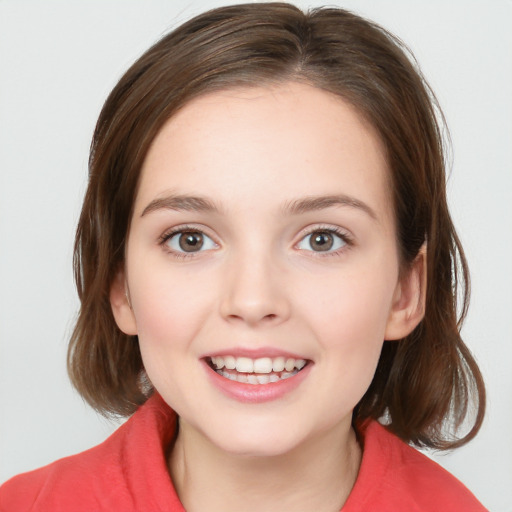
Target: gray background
x: 59, y: 60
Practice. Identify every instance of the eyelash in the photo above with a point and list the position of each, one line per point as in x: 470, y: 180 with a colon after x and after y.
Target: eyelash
x: 343, y: 235
x: 174, y: 231
x: 340, y: 233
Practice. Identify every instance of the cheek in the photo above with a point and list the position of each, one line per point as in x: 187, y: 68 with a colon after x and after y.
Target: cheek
x: 170, y: 306
x: 348, y: 316
x: 350, y: 331
x: 352, y: 305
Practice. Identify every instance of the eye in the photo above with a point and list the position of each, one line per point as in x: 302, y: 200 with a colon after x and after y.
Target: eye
x: 189, y: 241
x: 323, y: 240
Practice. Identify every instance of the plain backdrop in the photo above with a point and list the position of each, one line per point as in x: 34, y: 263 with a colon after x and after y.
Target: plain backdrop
x: 59, y: 60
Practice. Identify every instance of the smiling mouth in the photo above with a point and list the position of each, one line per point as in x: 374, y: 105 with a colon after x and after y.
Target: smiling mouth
x: 264, y: 370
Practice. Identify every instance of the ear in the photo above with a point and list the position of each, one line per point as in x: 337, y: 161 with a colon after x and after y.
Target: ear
x: 121, y: 305
x: 408, y: 308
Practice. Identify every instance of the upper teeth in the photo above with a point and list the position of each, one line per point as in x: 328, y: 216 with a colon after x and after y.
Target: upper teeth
x: 261, y: 365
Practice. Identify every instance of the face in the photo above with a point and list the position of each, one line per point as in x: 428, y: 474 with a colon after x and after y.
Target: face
x: 262, y: 266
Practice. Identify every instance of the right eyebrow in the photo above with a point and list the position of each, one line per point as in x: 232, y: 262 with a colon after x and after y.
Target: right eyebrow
x: 313, y: 203
x: 181, y: 202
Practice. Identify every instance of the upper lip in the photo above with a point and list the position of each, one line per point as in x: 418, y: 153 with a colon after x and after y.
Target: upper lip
x: 254, y: 353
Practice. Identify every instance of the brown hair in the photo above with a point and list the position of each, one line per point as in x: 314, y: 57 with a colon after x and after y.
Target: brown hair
x: 423, y: 382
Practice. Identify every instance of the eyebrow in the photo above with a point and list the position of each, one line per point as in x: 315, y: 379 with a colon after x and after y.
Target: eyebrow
x: 313, y: 203
x: 181, y: 203
x: 295, y: 207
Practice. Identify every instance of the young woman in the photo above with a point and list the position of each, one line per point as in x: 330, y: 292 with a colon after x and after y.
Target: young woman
x: 268, y: 274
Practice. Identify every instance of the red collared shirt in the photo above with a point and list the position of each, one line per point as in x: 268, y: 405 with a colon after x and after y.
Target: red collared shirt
x: 128, y: 472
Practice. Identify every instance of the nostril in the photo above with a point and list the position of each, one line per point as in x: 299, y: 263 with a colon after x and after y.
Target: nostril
x: 254, y: 309
x: 271, y: 317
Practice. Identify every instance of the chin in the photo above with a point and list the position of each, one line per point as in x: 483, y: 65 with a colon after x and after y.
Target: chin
x: 260, y: 448
x: 264, y: 440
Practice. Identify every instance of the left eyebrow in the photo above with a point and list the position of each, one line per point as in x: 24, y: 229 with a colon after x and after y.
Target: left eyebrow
x: 313, y: 203
x: 181, y: 203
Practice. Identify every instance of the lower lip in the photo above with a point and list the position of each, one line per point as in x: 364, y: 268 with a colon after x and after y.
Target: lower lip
x: 256, y: 393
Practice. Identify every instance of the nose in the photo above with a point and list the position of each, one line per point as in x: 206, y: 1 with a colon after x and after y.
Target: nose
x: 255, y: 292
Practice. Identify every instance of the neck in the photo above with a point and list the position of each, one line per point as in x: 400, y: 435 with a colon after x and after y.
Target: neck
x: 318, y: 475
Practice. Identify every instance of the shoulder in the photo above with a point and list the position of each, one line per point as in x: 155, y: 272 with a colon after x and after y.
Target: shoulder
x: 69, y: 483
x: 104, y: 477
x: 395, y: 477
x: 39, y: 489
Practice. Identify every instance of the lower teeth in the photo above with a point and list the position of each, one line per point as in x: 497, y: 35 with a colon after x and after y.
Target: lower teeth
x: 257, y: 378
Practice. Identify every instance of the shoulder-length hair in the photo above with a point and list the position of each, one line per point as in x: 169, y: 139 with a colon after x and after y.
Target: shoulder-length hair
x: 424, y: 383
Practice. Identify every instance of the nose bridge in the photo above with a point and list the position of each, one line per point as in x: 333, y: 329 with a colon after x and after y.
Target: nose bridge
x: 254, y: 289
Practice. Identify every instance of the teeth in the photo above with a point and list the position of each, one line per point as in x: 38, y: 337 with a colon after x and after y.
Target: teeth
x: 263, y: 365
x: 231, y: 376
x: 263, y: 379
x: 259, y: 378
x: 229, y: 362
x: 278, y: 364
x: 242, y: 377
x: 244, y: 365
x: 289, y: 365
x: 252, y: 379
x: 300, y: 363
x: 257, y: 371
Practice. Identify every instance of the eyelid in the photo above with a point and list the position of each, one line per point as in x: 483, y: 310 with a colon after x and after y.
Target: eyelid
x: 185, y: 228
x: 344, y: 234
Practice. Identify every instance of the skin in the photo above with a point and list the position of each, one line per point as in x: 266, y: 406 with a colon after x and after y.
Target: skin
x: 258, y: 282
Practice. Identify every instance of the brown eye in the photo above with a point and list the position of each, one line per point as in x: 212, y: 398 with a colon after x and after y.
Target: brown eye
x: 323, y: 241
x: 187, y: 241
x: 191, y: 241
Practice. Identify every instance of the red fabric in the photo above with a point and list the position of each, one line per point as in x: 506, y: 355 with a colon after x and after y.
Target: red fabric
x: 128, y: 472
x: 394, y: 477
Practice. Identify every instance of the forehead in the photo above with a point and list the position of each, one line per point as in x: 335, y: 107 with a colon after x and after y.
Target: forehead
x: 248, y: 144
